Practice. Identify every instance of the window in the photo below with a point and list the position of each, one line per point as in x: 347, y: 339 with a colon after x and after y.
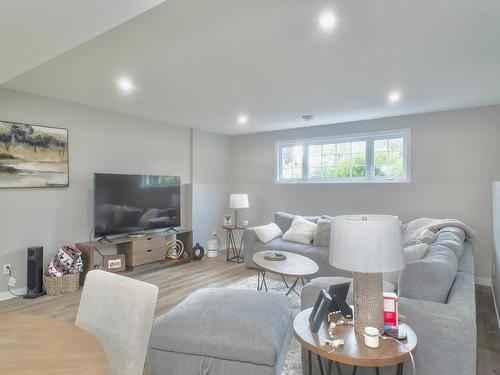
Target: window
x: 373, y: 157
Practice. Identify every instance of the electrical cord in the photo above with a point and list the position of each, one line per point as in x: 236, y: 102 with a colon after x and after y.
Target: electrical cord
x: 95, y: 247
x: 404, y: 346
x: 218, y: 240
x: 8, y: 286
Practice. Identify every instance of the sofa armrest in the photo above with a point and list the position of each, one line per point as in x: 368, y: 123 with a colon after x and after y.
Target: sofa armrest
x: 249, y: 241
x: 446, y: 337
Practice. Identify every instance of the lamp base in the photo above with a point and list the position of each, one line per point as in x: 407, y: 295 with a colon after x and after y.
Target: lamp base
x: 368, y: 301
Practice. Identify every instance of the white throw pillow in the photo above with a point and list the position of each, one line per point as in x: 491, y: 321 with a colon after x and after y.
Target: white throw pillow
x: 301, y: 231
x: 268, y: 232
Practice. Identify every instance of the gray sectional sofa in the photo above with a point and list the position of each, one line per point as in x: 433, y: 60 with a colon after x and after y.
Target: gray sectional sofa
x: 316, y: 251
x: 437, y: 297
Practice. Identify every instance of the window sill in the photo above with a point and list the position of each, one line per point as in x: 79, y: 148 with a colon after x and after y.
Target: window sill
x: 346, y: 181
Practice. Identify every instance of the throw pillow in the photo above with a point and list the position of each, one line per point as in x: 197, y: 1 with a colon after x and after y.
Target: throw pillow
x: 268, y: 232
x: 301, y: 231
x: 322, y: 233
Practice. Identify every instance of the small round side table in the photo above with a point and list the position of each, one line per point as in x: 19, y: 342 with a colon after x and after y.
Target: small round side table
x: 354, y: 352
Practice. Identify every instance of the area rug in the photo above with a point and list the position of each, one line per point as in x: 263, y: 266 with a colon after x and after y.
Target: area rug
x: 293, y: 364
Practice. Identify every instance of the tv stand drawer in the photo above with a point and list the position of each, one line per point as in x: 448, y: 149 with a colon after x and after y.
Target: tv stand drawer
x: 148, y: 243
x: 138, y: 257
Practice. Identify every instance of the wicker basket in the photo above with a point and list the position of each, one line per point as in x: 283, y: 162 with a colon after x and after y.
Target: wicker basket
x: 61, y: 284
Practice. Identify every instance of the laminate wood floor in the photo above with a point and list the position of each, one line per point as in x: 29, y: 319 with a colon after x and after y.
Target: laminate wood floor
x: 176, y: 283
x: 488, y: 335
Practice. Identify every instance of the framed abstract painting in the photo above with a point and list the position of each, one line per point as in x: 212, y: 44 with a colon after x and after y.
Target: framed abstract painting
x: 33, y: 156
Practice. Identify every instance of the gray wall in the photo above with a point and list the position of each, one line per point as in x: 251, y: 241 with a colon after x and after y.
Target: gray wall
x: 455, y: 159
x: 210, y: 188
x: 99, y: 141
x: 496, y: 232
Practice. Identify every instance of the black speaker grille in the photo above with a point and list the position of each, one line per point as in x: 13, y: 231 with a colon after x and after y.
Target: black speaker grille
x: 31, y: 274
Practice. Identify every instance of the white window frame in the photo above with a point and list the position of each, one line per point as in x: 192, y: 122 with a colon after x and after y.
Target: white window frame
x: 370, y: 138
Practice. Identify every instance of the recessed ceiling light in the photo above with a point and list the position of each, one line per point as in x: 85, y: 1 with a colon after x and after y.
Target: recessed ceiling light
x: 242, y: 119
x: 125, y: 84
x: 327, y: 21
x: 394, y: 97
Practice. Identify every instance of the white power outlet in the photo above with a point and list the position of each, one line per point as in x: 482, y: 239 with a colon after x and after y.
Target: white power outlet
x: 6, y: 268
x: 12, y: 282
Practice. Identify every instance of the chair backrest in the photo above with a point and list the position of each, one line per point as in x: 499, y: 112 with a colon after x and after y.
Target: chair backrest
x: 118, y: 311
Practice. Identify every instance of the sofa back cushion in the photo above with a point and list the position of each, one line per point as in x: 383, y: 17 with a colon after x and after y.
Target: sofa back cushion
x: 322, y: 234
x: 284, y: 220
x: 453, y: 238
x: 431, y: 278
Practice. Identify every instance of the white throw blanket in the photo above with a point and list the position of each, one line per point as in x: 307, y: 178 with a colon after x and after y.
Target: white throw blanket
x: 415, y: 227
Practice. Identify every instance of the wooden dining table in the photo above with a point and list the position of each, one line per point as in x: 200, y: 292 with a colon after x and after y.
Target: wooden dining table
x: 35, y: 344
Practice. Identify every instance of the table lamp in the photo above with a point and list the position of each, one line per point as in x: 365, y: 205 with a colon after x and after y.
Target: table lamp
x: 238, y: 201
x: 367, y: 245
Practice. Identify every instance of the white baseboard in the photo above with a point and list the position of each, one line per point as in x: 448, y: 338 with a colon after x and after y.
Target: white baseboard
x: 7, y: 295
x: 482, y: 281
x: 496, y: 306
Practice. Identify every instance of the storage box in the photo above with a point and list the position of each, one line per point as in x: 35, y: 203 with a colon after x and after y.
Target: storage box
x: 390, y: 311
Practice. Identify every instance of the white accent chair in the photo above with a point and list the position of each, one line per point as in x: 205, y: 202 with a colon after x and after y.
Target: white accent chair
x: 118, y: 311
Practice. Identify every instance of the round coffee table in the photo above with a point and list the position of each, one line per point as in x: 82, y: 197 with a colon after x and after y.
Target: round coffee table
x: 354, y: 352
x: 295, y: 265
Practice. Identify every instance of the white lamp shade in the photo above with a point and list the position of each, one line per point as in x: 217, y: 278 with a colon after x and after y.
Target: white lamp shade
x: 238, y: 201
x: 366, y: 243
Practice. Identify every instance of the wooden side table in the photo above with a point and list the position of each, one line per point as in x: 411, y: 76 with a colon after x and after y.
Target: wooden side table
x: 354, y: 352
x: 232, y: 248
x: 32, y: 344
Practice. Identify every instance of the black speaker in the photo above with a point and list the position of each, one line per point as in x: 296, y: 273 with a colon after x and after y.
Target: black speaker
x: 198, y: 252
x: 34, y: 280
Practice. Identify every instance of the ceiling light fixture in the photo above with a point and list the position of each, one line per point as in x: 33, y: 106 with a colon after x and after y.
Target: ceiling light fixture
x: 394, y: 97
x: 327, y: 21
x: 125, y: 84
x: 242, y: 119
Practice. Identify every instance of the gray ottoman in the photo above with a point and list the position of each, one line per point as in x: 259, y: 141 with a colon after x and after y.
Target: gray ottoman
x: 223, y: 331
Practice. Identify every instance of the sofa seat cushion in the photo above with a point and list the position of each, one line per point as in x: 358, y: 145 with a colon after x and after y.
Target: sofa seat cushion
x: 282, y: 245
x: 232, y: 324
x: 431, y: 278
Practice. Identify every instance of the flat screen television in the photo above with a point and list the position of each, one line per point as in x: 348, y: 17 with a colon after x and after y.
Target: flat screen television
x: 125, y: 203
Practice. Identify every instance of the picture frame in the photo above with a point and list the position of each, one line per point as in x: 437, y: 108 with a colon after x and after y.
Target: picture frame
x: 33, y: 156
x: 114, y: 263
x: 228, y: 220
x: 319, y: 311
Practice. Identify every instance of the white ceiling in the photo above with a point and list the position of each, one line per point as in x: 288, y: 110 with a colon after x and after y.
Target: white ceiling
x: 202, y: 63
x: 34, y: 31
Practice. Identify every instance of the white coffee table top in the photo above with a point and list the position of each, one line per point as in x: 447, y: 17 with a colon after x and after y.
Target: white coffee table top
x: 294, y: 265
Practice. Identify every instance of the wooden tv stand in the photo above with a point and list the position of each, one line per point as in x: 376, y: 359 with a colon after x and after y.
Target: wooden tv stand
x: 139, y: 251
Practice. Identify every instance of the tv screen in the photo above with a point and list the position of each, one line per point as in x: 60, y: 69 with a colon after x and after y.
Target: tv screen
x: 125, y: 203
